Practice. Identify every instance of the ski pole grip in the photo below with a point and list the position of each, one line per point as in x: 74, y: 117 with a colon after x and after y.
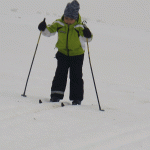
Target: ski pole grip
x: 84, y: 23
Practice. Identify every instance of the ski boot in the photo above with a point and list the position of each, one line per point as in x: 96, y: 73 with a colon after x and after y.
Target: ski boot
x: 76, y: 102
x: 54, y: 99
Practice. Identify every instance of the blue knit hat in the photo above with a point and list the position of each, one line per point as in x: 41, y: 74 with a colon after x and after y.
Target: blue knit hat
x: 72, y: 10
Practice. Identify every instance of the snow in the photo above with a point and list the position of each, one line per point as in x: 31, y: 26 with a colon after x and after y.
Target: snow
x: 119, y: 52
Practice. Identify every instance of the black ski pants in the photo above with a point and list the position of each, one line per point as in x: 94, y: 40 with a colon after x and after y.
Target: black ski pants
x: 74, y: 65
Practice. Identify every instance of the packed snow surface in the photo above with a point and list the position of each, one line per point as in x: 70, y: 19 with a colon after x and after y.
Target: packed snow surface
x: 120, y: 56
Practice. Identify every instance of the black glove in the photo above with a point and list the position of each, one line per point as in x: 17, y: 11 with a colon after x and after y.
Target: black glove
x: 42, y: 25
x: 87, y: 33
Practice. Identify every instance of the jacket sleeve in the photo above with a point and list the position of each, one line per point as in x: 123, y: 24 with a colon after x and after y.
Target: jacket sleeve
x: 50, y: 29
x: 82, y: 35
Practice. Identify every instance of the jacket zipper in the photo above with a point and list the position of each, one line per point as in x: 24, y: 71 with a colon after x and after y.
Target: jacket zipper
x: 67, y: 41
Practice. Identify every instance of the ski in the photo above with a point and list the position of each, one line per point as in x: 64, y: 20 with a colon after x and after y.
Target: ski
x: 61, y: 104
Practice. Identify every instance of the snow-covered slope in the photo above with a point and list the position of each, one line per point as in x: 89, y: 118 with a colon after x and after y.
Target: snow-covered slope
x: 133, y: 13
x: 120, y: 61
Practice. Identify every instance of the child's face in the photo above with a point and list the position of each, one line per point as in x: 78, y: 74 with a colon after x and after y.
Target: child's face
x: 69, y: 21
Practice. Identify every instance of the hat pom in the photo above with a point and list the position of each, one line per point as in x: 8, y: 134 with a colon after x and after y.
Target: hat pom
x: 75, y: 5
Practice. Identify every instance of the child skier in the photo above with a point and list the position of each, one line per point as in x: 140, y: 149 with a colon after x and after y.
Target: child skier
x: 72, y: 36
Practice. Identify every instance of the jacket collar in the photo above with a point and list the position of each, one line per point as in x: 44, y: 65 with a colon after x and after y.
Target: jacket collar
x: 78, y: 21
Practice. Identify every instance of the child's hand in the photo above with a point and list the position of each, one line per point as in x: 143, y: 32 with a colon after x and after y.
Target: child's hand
x: 42, y: 25
x: 87, y: 33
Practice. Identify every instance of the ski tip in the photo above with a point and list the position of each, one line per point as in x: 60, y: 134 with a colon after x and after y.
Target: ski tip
x: 62, y: 105
x: 40, y: 101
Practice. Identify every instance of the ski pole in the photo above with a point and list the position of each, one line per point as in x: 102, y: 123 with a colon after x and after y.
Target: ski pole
x: 31, y: 66
x: 93, y: 76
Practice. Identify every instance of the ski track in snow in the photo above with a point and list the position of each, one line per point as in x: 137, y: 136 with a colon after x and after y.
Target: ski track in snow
x: 120, y: 59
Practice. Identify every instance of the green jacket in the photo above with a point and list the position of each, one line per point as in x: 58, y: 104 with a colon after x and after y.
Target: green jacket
x: 71, y: 40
